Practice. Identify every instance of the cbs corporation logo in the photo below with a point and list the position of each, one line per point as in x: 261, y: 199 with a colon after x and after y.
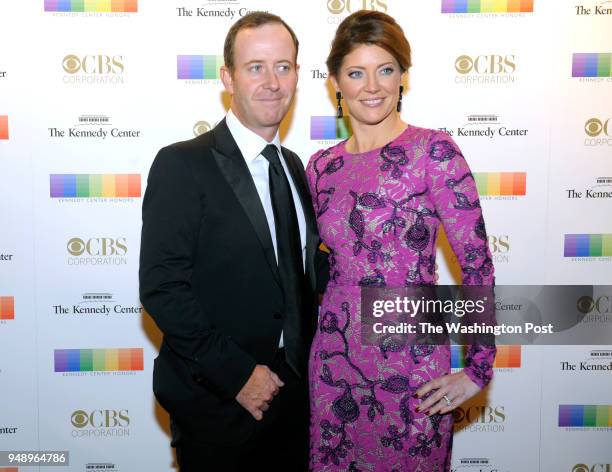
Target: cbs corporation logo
x: 492, y: 64
x: 599, y: 132
x: 600, y: 305
x: 350, y: 6
x: 338, y: 7
x: 100, y: 64
x: 93, y: 69
x: 97, y: 247
x: 100, y: 419
x: 97, y: 251
x: 100, y: 424
x: 480, y: 418
x: 485, y: 69
x: 479, y: 414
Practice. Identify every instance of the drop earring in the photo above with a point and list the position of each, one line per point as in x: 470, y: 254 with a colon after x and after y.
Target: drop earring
x: 399, y: 101
x: 340, y: 113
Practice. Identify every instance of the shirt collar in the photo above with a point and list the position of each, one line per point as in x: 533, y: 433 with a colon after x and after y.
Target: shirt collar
x: 250, y: 143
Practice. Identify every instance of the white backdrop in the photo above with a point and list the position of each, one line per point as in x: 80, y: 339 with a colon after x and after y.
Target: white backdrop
x: 503, y: 83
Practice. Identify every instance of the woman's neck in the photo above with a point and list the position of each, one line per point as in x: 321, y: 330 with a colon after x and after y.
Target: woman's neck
x: 367, y: 137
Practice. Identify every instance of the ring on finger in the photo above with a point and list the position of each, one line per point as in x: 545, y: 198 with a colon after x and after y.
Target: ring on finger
x: 448, y: 402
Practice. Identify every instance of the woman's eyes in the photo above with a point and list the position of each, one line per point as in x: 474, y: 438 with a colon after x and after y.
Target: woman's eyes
x: 357, y: 74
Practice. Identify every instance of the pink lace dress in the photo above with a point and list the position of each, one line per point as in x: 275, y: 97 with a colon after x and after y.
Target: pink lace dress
x: 379, y: 214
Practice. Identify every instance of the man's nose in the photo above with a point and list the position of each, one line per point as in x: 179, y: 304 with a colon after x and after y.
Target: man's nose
x: 272, y: 81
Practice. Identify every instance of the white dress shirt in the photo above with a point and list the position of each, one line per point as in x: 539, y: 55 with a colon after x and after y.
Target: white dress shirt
x: 251, y: 146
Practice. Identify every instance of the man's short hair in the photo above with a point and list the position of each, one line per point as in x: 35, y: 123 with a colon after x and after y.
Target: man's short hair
x: 252, y: 20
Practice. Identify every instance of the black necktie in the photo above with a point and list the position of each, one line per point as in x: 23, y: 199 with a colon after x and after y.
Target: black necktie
x: 289, y: 254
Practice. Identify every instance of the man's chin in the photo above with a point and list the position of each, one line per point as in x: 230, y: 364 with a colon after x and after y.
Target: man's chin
x: 274, y: 119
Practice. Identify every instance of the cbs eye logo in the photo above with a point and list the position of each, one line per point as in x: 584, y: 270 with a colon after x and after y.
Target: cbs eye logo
x: 71, y: 64
x: 595, y: 127
x: 464, y: 64
x: 201, y: 127
x: 335, y: 6
x: 585, y: 304
x: 76, y: 246
x: 580, y: 468
x: 79, y: 419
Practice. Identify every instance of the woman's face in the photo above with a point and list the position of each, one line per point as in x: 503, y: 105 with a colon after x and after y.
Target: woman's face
x: 369, y: 79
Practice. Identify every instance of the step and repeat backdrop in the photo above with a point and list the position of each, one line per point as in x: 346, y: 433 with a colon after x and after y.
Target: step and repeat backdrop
x: 91, y: 89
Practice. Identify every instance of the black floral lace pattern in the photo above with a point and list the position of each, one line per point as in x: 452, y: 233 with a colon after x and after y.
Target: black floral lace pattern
x: 394, y: 157
x: 322, y: 195
x: 349, y: 401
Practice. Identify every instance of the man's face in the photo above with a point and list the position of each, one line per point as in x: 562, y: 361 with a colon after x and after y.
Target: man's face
x: 264, y: 78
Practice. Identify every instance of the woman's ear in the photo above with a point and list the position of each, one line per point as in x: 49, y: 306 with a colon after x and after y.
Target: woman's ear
x: 404, y: 80
x: 334, y: 82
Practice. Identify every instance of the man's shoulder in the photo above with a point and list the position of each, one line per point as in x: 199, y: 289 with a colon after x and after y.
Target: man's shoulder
x: 183, y: 157
x: 198, y: 144
x: 189, y: 154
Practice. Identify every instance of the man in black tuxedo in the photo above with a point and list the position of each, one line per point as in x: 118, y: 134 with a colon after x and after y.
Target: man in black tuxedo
x: 228, y: 270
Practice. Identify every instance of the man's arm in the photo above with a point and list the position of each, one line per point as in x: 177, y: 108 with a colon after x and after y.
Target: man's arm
x: 322, y: 268
x: 321, y: 257
x: 171, y: 223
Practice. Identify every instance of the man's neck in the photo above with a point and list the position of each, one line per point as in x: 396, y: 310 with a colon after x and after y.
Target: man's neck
x: 267, y: 133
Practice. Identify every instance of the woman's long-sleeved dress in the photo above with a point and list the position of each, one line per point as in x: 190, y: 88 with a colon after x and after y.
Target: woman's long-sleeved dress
x: 379, y: 213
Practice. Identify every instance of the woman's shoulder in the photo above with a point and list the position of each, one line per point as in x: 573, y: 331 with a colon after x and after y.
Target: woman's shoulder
x: 428, y: 134
x: 439, y: 145
x: 432, y: 139
x: 326, y: 154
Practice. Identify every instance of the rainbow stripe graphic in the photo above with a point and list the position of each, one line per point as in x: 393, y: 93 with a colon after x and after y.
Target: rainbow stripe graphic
x: 7, y: 308
x: 487, y: 6
x: 587, y: 245
x: 4, y: 134
x: 585, y: 416
x: 501, y: 183
x: 198, y: 67
x: 328, y: 127
x: 112, y: 6
x: 507, y: 357
x: 98, y: 360
x: 592, y: 64
x: 94, y: 185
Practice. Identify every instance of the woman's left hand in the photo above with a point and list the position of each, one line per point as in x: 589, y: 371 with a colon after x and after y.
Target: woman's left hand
x: 452, y: 391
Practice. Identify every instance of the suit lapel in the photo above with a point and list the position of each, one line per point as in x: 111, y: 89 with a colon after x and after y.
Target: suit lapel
x: 236, y: 172
x: 312, y: 239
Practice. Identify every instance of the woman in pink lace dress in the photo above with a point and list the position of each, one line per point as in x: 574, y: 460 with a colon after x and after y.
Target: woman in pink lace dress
x: 380, y: 198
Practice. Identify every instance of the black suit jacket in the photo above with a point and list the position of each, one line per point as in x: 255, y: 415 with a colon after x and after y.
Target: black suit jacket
x: 209, y: 279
